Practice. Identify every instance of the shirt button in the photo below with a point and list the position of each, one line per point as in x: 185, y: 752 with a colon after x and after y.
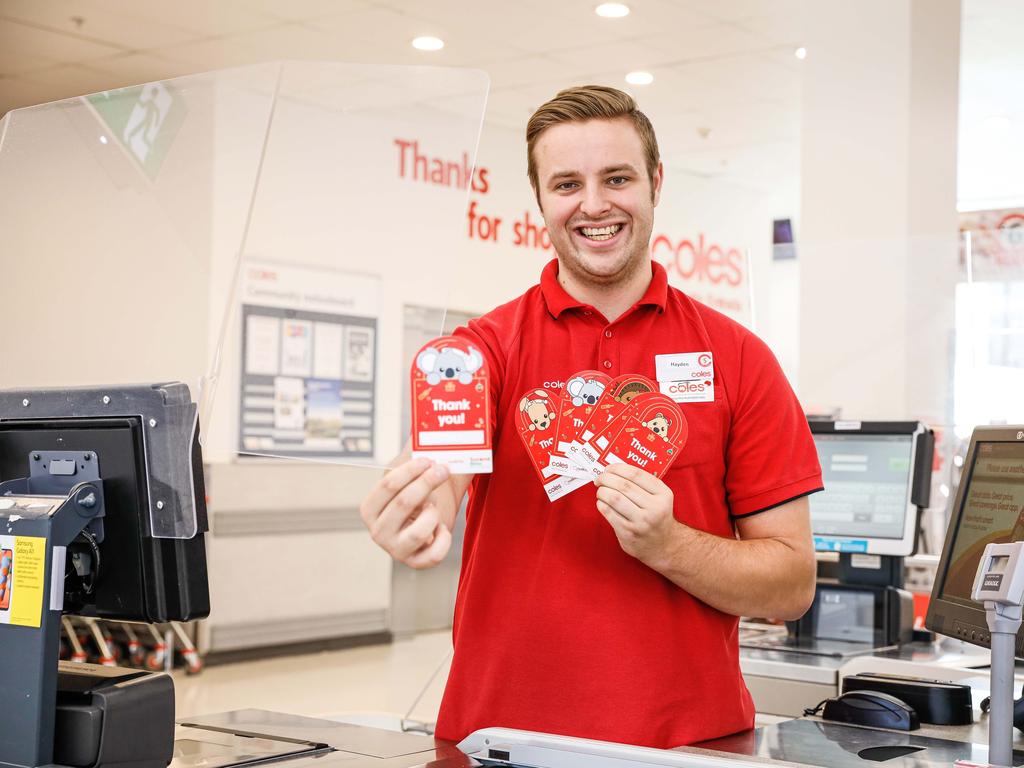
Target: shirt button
x: 607, y: 363
x: 607, y: 334
x: 587, y: 312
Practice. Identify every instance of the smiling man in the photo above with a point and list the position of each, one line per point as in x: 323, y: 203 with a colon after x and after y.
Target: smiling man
x: 611, y: 613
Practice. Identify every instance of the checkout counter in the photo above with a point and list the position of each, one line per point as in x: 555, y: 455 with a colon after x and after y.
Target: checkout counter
x: 86, y: 469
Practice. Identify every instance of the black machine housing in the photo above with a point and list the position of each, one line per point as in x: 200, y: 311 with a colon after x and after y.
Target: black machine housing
x: 141, y: 578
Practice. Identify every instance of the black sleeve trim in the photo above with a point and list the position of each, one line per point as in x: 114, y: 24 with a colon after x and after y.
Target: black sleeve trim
x: 777, y: 504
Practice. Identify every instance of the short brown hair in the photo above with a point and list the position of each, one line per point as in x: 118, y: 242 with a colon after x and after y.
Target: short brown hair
x: 589, y: 102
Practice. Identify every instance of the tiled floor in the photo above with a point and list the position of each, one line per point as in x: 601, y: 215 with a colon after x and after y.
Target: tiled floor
x: 368, y: 684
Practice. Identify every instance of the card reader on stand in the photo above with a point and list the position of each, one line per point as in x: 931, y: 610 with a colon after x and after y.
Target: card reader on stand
x: 999, y: 585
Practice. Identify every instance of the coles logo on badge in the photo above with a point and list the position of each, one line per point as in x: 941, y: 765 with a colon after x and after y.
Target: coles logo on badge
x: 704, y: 359
x: 680, y: 387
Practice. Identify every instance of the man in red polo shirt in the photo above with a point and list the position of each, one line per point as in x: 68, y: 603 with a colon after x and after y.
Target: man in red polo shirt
x: 611, y: 613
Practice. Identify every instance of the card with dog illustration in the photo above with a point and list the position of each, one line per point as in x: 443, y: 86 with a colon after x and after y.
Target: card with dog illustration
x: 651, y: 434
x: 576, y: 405
x: 616, y: 399
x: 451, y: 406
x: 537, y: 417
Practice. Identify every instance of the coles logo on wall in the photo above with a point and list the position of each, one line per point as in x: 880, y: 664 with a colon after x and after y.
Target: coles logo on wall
x: 710, y: 272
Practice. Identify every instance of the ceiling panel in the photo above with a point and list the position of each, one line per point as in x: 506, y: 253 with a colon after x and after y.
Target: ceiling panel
x: 20, y: 39
x: 91, y: 20
x: 207, y: 18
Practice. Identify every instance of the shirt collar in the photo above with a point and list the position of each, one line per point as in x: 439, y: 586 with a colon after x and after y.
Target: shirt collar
x: 558, y: 299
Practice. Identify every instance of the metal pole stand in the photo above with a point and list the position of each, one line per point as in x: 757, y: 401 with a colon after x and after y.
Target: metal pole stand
x: 999, y: 585
x: 1003, y: 622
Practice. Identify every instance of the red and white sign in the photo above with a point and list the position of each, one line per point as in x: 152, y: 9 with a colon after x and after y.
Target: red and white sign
x: 451, y: 421
x: 538, y: 420
x: 616, y: 399
x: 577, y: 404
x: 996, y: 241
x: 652, y: 432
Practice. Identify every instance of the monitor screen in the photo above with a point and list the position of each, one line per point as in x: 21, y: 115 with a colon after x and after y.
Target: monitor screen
x: 869, y: 472
x: 989, y: 507
x: 992, y: 512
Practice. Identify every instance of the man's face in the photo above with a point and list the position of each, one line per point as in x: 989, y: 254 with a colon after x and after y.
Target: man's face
x: 597, y: 200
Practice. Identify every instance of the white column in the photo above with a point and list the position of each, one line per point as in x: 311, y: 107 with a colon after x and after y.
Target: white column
x: 878, y: 226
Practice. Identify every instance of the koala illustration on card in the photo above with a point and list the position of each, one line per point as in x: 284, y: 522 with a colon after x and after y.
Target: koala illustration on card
x: 449, y: 364
x: 584, y: 391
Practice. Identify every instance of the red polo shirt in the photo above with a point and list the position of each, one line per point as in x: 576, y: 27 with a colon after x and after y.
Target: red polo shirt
x: 556, y: 628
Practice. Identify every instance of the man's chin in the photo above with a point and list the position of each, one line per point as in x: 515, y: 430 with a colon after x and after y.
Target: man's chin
x: 605, y: 268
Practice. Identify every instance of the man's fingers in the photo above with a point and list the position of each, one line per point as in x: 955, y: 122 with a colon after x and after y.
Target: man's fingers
x: 417, y: 534
x: 644, y: 480
x: 434, y: 552
x: 407, y: 502
x: 624, y: 486
x: 615, y: 520
x: 619, y: 503
x: 388, y: 487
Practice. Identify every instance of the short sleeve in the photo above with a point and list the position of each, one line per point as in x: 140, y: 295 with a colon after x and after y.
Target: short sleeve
x: 770, y: 455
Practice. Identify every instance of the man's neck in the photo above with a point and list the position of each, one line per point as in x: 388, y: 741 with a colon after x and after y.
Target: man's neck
x: 612, y: 300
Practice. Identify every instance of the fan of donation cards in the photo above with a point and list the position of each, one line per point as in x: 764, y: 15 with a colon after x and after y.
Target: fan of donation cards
x: 571, y: 435
x: 594, y: 421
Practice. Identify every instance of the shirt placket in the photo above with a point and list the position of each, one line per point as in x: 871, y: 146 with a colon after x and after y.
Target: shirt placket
x: 608, y: 350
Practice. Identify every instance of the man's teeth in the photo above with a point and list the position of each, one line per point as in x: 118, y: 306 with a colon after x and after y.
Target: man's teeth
x: 601, y: 233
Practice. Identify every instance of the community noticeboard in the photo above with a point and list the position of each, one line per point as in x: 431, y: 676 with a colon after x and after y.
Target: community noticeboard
x: 308, y: 370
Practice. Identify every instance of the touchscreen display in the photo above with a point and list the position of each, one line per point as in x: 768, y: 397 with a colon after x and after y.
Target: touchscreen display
x: 993, y: 511
x: 867, y: 485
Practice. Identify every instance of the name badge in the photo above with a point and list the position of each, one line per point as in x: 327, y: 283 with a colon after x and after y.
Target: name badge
x: 686, y: 377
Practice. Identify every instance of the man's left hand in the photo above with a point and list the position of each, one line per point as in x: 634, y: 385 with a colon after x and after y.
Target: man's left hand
x: 638, y: 506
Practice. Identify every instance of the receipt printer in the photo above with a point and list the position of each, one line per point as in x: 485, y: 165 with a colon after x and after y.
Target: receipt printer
x: 112, y: 716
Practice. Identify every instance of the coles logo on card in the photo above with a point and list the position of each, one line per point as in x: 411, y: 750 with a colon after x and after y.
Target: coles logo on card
x: 450, y: 405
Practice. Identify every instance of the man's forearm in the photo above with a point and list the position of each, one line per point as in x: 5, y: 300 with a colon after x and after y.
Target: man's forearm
x: 769, y: 578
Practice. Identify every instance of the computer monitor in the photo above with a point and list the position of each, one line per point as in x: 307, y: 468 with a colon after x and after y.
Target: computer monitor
x: 876, y: 476
x: 989, y: 507
x: 128, y: 572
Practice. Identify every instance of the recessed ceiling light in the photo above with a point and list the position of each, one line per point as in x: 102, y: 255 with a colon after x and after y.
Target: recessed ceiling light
x: 800, y: 53
x: 103, y: 139
x: 612, y: 10
x: 639, y: 78
x: 428, y: 43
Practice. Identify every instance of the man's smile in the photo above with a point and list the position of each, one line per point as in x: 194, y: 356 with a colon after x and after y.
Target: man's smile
x: 599, y: 234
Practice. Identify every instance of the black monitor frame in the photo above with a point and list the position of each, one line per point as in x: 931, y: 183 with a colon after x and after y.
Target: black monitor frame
x: 946, y: 616
x: 922, y: 448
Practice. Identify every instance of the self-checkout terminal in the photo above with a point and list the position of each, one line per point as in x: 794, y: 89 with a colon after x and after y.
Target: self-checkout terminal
x: 101, y: 514
x: 877, y: 478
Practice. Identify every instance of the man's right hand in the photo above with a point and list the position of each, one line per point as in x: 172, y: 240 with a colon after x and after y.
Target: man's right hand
x: 404, y: 519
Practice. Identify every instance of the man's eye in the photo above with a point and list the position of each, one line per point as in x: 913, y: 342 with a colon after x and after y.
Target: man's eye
x: 566, y: 186
x: 618, y: 181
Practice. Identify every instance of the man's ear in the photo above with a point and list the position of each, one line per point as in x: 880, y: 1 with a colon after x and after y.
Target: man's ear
x: 659, y: 176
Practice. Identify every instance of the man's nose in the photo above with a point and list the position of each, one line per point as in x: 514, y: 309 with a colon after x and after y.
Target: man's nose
x: 595, y: 202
